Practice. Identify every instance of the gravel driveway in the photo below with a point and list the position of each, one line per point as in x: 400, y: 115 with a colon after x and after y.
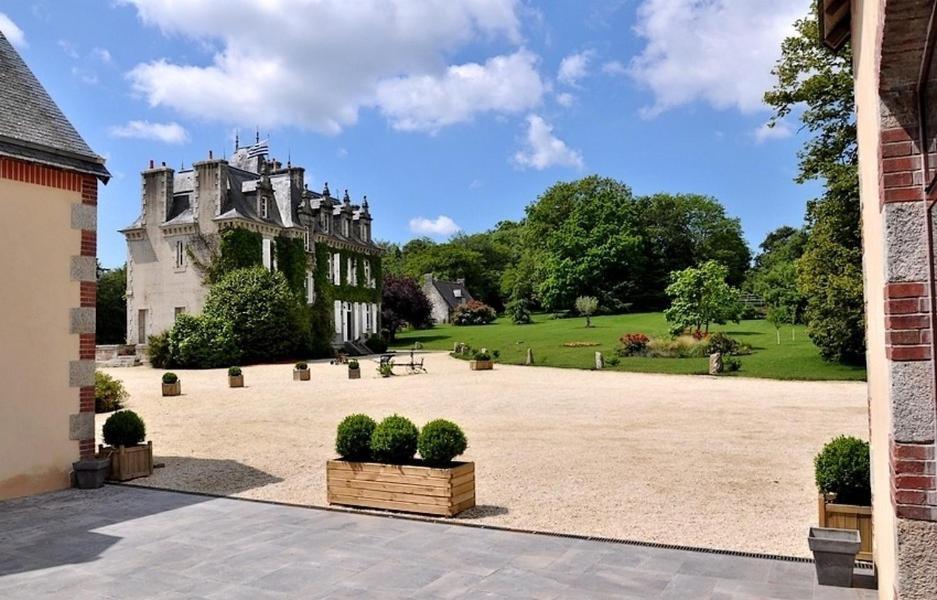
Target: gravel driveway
x: 697, y: 461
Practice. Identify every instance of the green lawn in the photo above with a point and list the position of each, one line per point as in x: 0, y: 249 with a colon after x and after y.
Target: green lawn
x: 791, y: 359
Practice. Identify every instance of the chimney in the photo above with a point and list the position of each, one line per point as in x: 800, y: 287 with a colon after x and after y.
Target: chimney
x: 210, y: 155
x: 152, y: 164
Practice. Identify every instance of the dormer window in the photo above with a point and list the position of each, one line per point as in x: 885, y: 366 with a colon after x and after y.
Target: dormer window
x: 345, y: 227
x: 264, y: 210
x: 324, y: 220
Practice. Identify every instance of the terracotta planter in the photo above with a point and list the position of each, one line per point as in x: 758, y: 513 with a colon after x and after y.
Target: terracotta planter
x: 300, y: 374
x: 354, y: 373
x: 481, y: 365
x: 172, y: 389
x: 128, y: 463
x: 848, y: 516
x: 408, y: 488
x: 236, y: 380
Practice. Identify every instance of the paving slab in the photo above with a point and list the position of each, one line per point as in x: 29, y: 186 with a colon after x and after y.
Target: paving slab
x: 123, y: 542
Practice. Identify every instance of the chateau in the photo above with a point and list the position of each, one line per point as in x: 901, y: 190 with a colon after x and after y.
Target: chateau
x: 186, y: 214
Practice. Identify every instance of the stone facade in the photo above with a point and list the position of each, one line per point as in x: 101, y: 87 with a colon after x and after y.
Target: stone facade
x: 896, y: 98
x: 183, y: 214
x: 444, y: 296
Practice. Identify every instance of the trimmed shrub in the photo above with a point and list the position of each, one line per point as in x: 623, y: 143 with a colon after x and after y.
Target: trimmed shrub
x: 301, y: 366
x: 353, y: 439
x: 481, y: 356
x: 842, y: 468
x: 473, y: 312
x: 157, y: 351
x: 633, y: 344
x: 202, y: 342
x: 109, y: 393
x: 376, y: 344
x: 234, y: 371
x: 496, y: 354
x: 723, y: 344
x: 353, y: 364
x: 394, y: 440
x: 262, y: 310
x: 732, y: 365
x: 519, y: 310
x: 613, y: 361
x: 170, y: 378
x: 124, y: 428
x: 441, y: 441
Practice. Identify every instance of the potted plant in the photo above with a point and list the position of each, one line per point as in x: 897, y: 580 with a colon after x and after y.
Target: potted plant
x: 354, y: 370
x: 301, y: 372
x: 172, y: 385
x: 124, y: 433
x: 845, y: 493
x: 386, y: 369
x: 834, y: 554
x: 481, y: 362
x: 235, y: 377
x: 377, y: 468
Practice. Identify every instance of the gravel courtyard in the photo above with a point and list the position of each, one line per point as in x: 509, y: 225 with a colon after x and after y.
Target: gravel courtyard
x: 697, y: 461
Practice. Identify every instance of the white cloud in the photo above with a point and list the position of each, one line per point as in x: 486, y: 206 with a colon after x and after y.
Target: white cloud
x: 545, y: 149
x: 168, y: 133
x: 565, y: 99
x: 614, y: 68
x: 780, y: 131
x: 101, y: 54
x: 574, y: 67
x: 12, y: 32
x: 441, y: 226
x: 716, y: 51
x: 69, y: 49
x: 328, y: 58
x: 504, y: 84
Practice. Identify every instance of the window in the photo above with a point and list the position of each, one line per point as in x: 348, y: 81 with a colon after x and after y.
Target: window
x: 367, y: 273
x: 344, y: 227
x: 178, y: 311
x: 337, y: 269
x: 324, y: 220
x: 306, y: 240
x: 350, y: 271
x: 263, y: 207
x: 457, y: 293
x: 310, y: 289
x: 180, y: 254
x: 267, y: 253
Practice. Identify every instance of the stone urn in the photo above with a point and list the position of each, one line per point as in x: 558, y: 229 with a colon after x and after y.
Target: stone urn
x: 834, y: 553
x: 716, y: 363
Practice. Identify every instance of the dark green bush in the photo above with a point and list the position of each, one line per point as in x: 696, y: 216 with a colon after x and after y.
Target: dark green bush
x: 301, y: 366
x: 262, y: 310
x: 109, y: 393
x: 202, y: 342
x: 496, y: 354
x: 440, y: 441
x: 353, y: 440
x: 842, y: 468
x: 732, y: 365
x: 386, y: 369
x: 234, y: 371
x: 394, y: 440
x: 482, y: 356
x: 376, y: 344
x: 170, y: 378
x: 157, y: 350
x: 353, y: 364
x: 519, y: 310
x: 124, y: 428
x: 721, y: 343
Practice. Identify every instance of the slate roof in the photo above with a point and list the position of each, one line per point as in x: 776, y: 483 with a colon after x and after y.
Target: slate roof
x: 32, y: 127
x: 447, y: 290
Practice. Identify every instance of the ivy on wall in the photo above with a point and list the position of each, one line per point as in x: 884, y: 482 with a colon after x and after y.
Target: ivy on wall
x: 291, y: 261
x: 360, y: 292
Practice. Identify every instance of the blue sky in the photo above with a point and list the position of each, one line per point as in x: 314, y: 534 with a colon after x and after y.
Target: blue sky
x: 448, y: 114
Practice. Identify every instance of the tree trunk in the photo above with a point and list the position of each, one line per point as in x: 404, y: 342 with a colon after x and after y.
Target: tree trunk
x: 778, y: 330
x: 588, y: 321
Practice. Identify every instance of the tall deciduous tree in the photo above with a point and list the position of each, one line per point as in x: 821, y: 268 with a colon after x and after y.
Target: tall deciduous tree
x: 817, y: 85
x: 111, y: 323
x: 701, y: 296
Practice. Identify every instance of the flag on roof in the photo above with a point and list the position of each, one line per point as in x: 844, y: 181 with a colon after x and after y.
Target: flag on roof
x: 259, y: 149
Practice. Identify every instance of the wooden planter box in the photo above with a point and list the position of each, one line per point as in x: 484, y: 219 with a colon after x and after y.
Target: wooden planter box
x: 354, y: 373
x: 300, y: 374
x: 172, y: 389
x: 128, y: 463
x: 236, y: 380
x: 408, y: 488
x: 849, y: 516
x: 481, y: 365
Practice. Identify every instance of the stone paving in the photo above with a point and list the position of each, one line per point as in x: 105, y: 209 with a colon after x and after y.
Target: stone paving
x: 124, y: 542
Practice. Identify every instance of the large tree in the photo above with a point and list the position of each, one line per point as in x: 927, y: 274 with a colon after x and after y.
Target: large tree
x: 700, y: 296
x: 111, y: 324
x: 817, y: 86
x: 403, y: 303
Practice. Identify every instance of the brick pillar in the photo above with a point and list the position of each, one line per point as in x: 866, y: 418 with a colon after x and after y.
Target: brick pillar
x: 83, y: 318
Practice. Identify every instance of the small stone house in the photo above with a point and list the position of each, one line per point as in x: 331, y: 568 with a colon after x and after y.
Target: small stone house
x: 445, y: 296
x: 49, y: 189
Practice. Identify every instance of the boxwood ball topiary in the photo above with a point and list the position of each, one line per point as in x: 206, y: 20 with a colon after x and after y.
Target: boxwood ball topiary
x: 124, y: 428
x: 353, y: 441
x: 842, y: 468
x: 170, y: 378
x: 441, y: 441
x: 394, y: 440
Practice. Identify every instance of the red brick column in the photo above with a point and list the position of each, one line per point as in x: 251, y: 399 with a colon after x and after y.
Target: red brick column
x: 88, y: 293
x: 907, y: 321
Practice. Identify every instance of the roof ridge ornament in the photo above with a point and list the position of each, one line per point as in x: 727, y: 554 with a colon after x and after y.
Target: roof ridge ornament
x: 325, y: 190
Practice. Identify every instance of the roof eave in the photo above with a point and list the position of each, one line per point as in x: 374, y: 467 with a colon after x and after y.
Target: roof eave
x: 834, y: 20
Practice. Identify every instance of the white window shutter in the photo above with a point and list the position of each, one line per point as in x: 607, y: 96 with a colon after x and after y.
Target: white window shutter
x: 338, y: 316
